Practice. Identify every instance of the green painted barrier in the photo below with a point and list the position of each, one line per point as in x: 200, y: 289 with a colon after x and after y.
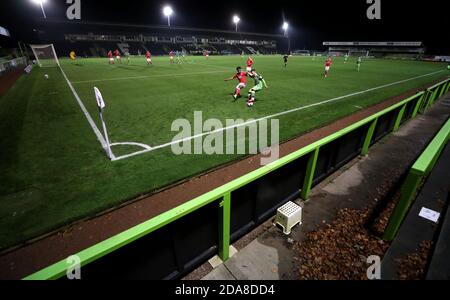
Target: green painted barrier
x: 419, y: 171
x: 222, y: 194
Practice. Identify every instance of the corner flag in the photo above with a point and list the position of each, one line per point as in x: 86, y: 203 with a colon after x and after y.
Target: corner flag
x: 101, y: 104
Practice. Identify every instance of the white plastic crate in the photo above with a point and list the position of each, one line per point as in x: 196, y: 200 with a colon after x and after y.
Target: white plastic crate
x: 288, y: 216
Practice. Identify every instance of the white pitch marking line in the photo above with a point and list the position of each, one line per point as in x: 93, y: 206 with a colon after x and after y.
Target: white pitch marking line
x: 271, y: 116
x: 145, y: 146
x: 208, y: 65
x: 87, y: 115
x: 357, y: 106
x: 145, y: 77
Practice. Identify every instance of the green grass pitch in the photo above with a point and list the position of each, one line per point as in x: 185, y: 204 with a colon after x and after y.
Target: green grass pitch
x: 53, y: 170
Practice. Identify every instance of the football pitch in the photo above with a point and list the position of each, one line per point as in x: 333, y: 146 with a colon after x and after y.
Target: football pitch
x: 53, y: 170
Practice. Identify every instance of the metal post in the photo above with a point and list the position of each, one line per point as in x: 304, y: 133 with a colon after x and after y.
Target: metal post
x: 309, y: 175
x: 43, y: 11
x: 399, y: 117
x: 448, y: 86
x: 418, y: 104
x: 368, y: 139
x: 408, y: 191
x: 25, y: 61
x: 443, y: 87
x: 108, y: 146
x: 433, y: 97
x: 224, y: 228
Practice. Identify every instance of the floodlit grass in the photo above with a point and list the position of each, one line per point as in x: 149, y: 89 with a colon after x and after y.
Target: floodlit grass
x: 53, y: 170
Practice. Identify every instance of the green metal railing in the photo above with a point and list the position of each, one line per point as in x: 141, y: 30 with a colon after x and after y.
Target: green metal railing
x: 435, y: 92
x: 222, y: 194
x: 419, y: 171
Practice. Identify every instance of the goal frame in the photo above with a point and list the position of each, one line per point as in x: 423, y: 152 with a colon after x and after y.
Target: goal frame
x: 34, y: 47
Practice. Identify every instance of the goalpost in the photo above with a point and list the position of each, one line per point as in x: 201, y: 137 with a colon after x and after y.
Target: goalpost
x: 45, y: 55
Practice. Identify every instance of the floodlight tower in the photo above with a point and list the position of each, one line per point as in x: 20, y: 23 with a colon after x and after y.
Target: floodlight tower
x: 41, y: 3
x: 168, y: 11
x: 285, y: 28
x: 236, y: 21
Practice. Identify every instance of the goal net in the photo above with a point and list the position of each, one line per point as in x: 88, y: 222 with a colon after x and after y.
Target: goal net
x: 45, y: 55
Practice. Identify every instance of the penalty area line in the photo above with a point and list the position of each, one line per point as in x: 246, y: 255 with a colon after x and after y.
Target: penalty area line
x: 270, y: 116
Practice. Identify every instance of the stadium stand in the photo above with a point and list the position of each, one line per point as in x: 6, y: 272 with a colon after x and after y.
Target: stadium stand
x: 392, y: 50
x: 96, y: 39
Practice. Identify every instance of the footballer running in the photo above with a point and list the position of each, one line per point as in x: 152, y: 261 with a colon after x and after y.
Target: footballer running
x: 260, y: 83
x: 148, y: 58
x: 328, y: 64
x: 242, y: 78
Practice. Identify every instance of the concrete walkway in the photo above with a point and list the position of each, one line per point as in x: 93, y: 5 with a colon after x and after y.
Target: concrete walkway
x: 364, y: 180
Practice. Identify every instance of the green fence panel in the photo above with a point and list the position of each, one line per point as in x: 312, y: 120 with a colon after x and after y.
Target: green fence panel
x: 224, y: 234
x: 408, y: 192
x: 399, y: 118
x: 418, y: 105
x: 309, y: 175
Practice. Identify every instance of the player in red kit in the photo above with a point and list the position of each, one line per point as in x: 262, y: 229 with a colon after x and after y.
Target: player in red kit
x: 328, y: 64
x: 249, y: 64
x: 171, y: 55
x: 118, y: 57
x: 111, y: 58
x: 242, y: 78
x: 148, y: 57
x: 206, y: 53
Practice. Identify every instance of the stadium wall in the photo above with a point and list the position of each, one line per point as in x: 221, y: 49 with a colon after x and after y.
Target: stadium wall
x: 177, y: 241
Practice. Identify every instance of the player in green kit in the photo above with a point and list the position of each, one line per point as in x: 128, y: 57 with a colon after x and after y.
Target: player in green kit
x: 127, y: 55
x: 260, y: 83
x: 345, y: 58
x: 358, y: 63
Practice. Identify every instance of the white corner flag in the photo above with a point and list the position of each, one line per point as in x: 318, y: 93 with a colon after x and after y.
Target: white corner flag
x: 100, y: 102
x: 101, y: 105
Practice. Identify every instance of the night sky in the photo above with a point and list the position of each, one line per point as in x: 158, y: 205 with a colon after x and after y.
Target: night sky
x: 311, y: 22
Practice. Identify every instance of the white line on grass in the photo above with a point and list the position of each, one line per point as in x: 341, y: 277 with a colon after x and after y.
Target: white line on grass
x: 145, y: 146
x: 208, y: 65
x: 145, y: 77
x: 270, y: 116
x: 86, y: 113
